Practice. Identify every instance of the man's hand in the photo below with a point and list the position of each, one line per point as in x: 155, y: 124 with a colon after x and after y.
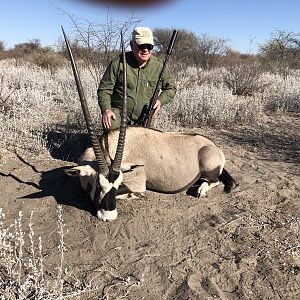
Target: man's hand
x: 106, y: 118
x: 156, y: 107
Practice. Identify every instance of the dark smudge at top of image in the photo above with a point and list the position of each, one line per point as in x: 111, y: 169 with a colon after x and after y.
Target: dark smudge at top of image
x: 127, y: 3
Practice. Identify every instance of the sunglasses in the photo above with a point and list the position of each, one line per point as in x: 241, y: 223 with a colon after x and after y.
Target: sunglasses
x: 145, y: 46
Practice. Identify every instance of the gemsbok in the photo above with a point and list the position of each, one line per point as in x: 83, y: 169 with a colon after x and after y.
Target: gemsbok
x: 133, y: 159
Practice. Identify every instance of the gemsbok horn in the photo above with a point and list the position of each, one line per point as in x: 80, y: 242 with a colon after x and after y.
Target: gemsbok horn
x: 103, y: 190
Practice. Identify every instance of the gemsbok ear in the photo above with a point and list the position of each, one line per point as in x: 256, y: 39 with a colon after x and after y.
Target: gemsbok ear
x: 80, y: 171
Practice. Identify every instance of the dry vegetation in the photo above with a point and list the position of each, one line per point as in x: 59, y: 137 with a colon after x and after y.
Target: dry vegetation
x: 21, y: 262
x: 40, y: 112
x: 34, y: 102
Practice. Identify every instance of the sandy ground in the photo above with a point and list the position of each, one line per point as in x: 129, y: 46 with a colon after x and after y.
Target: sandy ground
x: 245, y: 245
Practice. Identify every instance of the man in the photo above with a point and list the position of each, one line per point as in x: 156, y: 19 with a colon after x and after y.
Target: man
x: 143, y: 71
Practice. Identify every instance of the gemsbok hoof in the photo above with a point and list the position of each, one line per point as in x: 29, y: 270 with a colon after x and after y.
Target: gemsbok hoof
x: 107, y: 215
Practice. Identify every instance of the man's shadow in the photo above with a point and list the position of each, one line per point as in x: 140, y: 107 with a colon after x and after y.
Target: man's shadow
x: 66, y: 146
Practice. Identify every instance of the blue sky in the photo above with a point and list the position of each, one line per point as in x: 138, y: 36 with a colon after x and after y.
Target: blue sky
x: 239, y: 21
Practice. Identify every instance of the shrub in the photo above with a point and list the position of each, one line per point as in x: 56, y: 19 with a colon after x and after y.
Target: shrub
x: 281, y: 52
x: 34, y: 101
x: 208, y: 105
x: 46, y: 58
x: 192, y: 77
x: 22, y: 264
x: 283, y: 94
x: 244, y: 78
x: 2, y: 46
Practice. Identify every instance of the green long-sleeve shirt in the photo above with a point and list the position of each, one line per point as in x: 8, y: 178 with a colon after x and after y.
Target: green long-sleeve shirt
x: 141, y: 83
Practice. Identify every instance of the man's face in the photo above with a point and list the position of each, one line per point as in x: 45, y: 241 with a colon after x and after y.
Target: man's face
x: 141, y: 52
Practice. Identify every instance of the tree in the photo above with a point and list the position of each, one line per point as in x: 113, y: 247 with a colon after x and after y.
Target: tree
x: 281, y: 51
x: 97, y: 43
x: 209, y: 51
x: 2, y: 46
x: 28, y: 47
x: 185, y: 41
x: 201, y: 51
x: 244, y: 76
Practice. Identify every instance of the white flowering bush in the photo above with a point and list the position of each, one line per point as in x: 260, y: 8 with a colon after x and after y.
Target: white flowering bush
x: 283, y: 94
x: 208, y: 105
x: 35, y: 101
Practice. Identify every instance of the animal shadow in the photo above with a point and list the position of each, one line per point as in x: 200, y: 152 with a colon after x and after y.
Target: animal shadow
x: 65, y: 190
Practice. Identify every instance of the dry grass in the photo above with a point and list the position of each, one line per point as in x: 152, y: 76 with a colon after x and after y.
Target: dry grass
x: 22, y: 274
x: 33, y: 101
x: 283, y: 94
x: 207, y: 105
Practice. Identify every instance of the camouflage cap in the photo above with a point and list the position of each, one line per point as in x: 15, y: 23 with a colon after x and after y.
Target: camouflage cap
x: 143, y: 35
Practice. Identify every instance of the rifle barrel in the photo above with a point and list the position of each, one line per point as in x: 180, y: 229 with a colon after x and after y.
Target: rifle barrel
x: 147, y: 115
x: 171, y: 45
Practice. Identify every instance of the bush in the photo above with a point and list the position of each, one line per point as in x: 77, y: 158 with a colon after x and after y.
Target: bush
x: 2, y: 46
x: 244, y: 78
x: 283, y: 94
x: 47, y: 58
x: 208, y: 105
x: 33, y: 53
x: 35, y: 101
x: 22, y: 264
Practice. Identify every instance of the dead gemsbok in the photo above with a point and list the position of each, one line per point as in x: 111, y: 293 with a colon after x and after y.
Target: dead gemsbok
x: 166, y: 162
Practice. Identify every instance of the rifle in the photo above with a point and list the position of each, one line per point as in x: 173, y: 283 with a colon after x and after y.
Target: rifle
x: 147, y: 112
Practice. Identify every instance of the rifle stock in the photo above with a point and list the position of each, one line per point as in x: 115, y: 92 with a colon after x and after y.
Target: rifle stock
x: 148, y: 111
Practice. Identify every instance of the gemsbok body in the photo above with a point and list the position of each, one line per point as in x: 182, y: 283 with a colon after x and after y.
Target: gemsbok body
x: 133, y: 159
x: 166, y: 162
